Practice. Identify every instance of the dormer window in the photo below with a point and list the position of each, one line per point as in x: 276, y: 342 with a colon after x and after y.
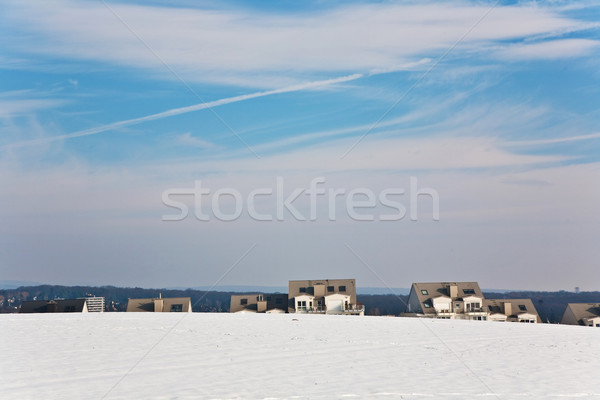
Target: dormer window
x: 424, y: 292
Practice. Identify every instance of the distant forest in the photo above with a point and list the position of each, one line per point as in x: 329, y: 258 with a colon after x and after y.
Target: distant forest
x: 550, y: 305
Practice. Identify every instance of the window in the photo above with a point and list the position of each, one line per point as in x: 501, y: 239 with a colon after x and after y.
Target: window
x: 427, y: 305
x: 330, y: 289
x: 342, y: 288
x: 243, y: 301
x: 469, y: 291
x: 301, y: 305
x: 259, y: 298
x: 278, y: 300
x: 302, y: 290
x: 176, y: 307
x: 425, y: 292
x: 522, y: 307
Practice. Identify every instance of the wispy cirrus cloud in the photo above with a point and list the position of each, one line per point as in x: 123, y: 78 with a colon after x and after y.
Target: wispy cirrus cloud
x: 238, y: 47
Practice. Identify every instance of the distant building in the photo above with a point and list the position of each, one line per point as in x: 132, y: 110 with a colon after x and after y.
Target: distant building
x: 586, y: 314
x: 511, y: 310
x: 325, y: 296
x: 259, y: 302
x: 54, y: 306
x: 94, y: 304
x: 465, y: 300
x: 160, y: 304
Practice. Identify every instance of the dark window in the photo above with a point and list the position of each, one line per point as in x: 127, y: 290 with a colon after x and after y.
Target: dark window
x: 176, y: 307
x: 425, y: 292
x: 342, y: 288
x: 330, y: 288
x: 302, y: 290
x: 522, y: 307
x: 278, y: 300
x: 469, y: 291
x: 268, y: 298
x: 244, y: 302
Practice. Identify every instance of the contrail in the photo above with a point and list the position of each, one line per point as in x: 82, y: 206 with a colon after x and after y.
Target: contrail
x: 184, y: 110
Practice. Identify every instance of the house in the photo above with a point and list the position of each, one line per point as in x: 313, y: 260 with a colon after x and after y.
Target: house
x: 160, y: 304
x: 326, y: 296
x: 511, y: 310
x: 586, y: 314
x: 259, y: 302
x: 465, y: 300
x: 447, y: 300
x: 54, y: 306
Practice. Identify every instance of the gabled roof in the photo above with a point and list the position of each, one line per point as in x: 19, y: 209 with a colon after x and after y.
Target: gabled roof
x: 426, y: 291
x: 584, y: 310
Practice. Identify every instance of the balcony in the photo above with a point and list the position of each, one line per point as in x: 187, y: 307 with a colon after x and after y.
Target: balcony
x: 354, y: 308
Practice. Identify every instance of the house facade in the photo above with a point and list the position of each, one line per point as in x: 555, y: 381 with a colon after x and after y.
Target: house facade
x: 585, y: 314
x: 160, y: 304
x: 324, y: 296
x: 259, y: 303
x: 465, y: 300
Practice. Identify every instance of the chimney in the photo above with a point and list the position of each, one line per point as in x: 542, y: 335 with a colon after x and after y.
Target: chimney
x: 453, y: 291
x: 507, y: 308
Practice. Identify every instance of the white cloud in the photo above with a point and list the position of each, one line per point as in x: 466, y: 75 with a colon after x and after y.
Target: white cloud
x: 187, y: 139
x: 268, y: 49
x: 564, y: 48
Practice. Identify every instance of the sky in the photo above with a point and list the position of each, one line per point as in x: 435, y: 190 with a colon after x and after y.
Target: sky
x: 114, y: 115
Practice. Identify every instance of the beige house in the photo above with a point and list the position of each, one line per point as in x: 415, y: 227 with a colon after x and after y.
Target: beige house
x: 324, y: 296
x: 54, y: 306
x: 586, y: 314
x: 160, y: 304
x: 511, y: 310
x: 259, y: 302
x: 464, y: 300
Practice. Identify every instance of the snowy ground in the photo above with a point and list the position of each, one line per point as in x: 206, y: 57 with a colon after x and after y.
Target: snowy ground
x: 257, y: 356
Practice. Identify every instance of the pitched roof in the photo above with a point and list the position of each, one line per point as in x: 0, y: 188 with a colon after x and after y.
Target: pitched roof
x: 426, y: 291
x: 584, y: 310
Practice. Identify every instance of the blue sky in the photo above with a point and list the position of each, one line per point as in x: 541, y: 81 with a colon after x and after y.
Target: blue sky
x: 494, y: 105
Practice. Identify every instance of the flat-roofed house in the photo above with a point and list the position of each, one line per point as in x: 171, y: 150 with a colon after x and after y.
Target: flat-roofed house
x: 324, y: 296
x: 54, y: 306
x: 447, y: 300
x: 586, y: 314
x: 259, y: 302
x: 512, y: 310
x: 160, y: 304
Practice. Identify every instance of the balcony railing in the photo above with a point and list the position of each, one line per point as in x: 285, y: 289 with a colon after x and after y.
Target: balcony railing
x: 354, y: 308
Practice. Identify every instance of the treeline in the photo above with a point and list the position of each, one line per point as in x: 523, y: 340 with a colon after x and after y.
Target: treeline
x: 550, y: 305
x: 116, y: 297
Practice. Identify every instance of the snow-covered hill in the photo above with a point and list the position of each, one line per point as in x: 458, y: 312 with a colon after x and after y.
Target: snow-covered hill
x: 256, y: 356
